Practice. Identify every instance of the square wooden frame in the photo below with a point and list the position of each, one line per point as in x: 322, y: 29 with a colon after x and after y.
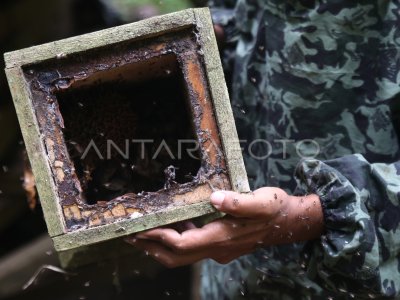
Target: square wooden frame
x: 17, y: 64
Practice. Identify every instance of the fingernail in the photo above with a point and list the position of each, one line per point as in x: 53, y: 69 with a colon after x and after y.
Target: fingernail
x: 217, y: 198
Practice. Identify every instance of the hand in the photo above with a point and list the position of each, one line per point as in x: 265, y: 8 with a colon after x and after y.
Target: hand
x: 267, y: 216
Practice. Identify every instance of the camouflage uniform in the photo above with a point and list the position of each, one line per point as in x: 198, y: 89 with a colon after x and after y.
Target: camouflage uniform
x: 326, y: 71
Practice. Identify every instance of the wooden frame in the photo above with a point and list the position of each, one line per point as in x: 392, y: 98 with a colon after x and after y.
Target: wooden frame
x: 189, y: 36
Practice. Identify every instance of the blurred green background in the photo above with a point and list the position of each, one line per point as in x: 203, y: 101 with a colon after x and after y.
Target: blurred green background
x: 165, y: 6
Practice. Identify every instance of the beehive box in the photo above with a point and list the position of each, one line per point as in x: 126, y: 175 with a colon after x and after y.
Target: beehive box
x: 127, y: 128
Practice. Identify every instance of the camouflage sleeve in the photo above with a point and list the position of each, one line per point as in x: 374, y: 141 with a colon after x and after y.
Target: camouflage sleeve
x: 223, y: 13
x: 360, y: 249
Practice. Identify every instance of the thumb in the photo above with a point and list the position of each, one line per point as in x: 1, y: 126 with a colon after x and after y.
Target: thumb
x: 236, y: 204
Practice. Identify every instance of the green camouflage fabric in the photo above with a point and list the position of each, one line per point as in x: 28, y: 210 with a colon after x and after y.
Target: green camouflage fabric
x: 317, y: 85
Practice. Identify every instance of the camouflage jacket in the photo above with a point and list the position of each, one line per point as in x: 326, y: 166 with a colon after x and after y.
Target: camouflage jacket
x: 317, y: 85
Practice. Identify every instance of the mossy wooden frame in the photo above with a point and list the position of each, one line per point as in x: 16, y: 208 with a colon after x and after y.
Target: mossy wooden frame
x: 18, y: 62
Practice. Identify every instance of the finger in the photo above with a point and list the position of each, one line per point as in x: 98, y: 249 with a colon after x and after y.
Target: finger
x: 264, y: 202
x: 234, y: 235
x: 214, y: 234
x: 167, y: 257
x: 239, y: 205
x: 159, y: 234
x: 189, y: 240
x: 172, y: 260
x: 183, y: 226
x: 189, y: 225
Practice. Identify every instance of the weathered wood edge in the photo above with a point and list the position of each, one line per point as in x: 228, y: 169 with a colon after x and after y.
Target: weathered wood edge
x: 15, y: 60
x: 141, y: 29
x: 98, y: 234
x: 220, y: 96
x: 36, y: 151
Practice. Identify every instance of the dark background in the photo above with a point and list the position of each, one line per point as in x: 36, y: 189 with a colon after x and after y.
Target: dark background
x: 24, y: 245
